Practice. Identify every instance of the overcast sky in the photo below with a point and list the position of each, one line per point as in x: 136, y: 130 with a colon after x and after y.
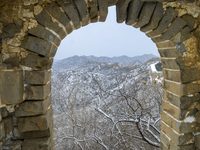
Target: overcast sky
x: 107, y: 38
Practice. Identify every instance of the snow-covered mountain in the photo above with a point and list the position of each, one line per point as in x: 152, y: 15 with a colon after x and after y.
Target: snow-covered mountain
x: 75, y: 62
x: 99, y: 102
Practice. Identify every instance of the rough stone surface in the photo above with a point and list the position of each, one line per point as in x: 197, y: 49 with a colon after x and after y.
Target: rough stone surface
x: 11, y: 81
x: 9, y: 31
x: 38, y: 144
x: 156, y: 17
x: 45, y: 34
x: 145, y: 15
x: 168, y: 17
x: 133, y: 11
x: 39, y: 46
x: 184, y: 147
x: 182, y: 102
x: 180, y: 126
x: 103, y: 10
x: 174, y: 28
x: 121, y: 8
x: 37, y: 62
x: 93, y: 10
x: 71, y: 12
x: 12, y: 145
x: 37, y: 92
x: 55, y: 11
x: 36, y: 123
x: 197, y: 139
x: 182, y: 89
x: 178, y: 139
x: 8, y: 124
x: 83, y: 11
x: 37, y: 77
x: 45, y: 19
x: 33, y: 108
x: 2, y: 130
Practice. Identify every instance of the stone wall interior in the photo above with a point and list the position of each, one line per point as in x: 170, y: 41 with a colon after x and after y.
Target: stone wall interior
x: 31, y: 31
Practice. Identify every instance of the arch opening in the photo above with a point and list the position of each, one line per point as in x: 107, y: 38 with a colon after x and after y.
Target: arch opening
x: 30, y: 37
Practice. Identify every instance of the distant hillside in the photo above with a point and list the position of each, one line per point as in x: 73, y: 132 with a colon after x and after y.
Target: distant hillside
x: 75, y: 62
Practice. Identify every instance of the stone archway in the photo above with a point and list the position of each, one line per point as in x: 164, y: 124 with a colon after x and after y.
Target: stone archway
x: 31, y: 31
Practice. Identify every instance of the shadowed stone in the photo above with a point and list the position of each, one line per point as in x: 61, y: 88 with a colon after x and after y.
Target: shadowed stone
x: 179, y: 139
x: 93, y: 10
x: 197, y: 139
x: 174, y: 28
x: 33, y: 108
x: 2, y: 130
x: 133, y: 11
x: 145, y: 15
x: 55, y: 11
x: 83, y: 11
x: 9, y: 30
x: 181, y: 89
x: 112, y: 2
x: 183, y: 76
x: 191, y: 22
x: 37, y: 77
x: 39, y: 46
x: 18, y: 23
x: 189, y: 146
x: 11, y: 80
x: 12, y: 62
x: 173, y: 52
x: 37, y: 62
x: 121, y: 8
x: 170, y: 63
x: 46, y: 143
x: 8, y: 124
x: 38, y: 92
x: 45, y: 19
x: 103, y: 10
x: 168, y: 17
x: 72, y: 13
x: 156, y: 17
x: 180, y: 126
x: 12, y: 145
x: 45, y: 34
x: 36, y: 123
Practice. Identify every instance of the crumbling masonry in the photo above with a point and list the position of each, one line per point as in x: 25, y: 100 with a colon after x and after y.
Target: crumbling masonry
x: 31, y: 31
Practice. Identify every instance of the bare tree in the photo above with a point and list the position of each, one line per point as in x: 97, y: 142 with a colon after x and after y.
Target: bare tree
x: 92, y: 114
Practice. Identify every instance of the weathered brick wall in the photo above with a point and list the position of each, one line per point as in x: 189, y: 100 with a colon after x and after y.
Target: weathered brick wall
x: 31, y: 31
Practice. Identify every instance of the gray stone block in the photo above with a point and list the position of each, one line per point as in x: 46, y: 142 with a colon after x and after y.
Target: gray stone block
x: 33, y: 108
x: 156, y: 17
x: 8, y: 124
x: 39, y: 46
x: 174, y: 28
x: 37, y: 62
x: 121, y: 8
x: 103, y: 10
x: 133, y: 11
x: 83, y: 11
x: 71, y: 12
x: 55, y: 11
x: 2, y: 130
x: 45, y: 34
x: 37, y: 92
x: 36, y: 123
x: 45, y: 19
x: 12, y: 87
x: 37, y: 77
x: 168, y: 17
x: 9, y: 30
x: 12, y: 145
x: 93, y: 10
x: 145, y: 15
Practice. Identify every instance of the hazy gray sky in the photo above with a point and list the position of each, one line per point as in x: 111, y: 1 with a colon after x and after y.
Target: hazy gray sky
x: 107, y: 38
